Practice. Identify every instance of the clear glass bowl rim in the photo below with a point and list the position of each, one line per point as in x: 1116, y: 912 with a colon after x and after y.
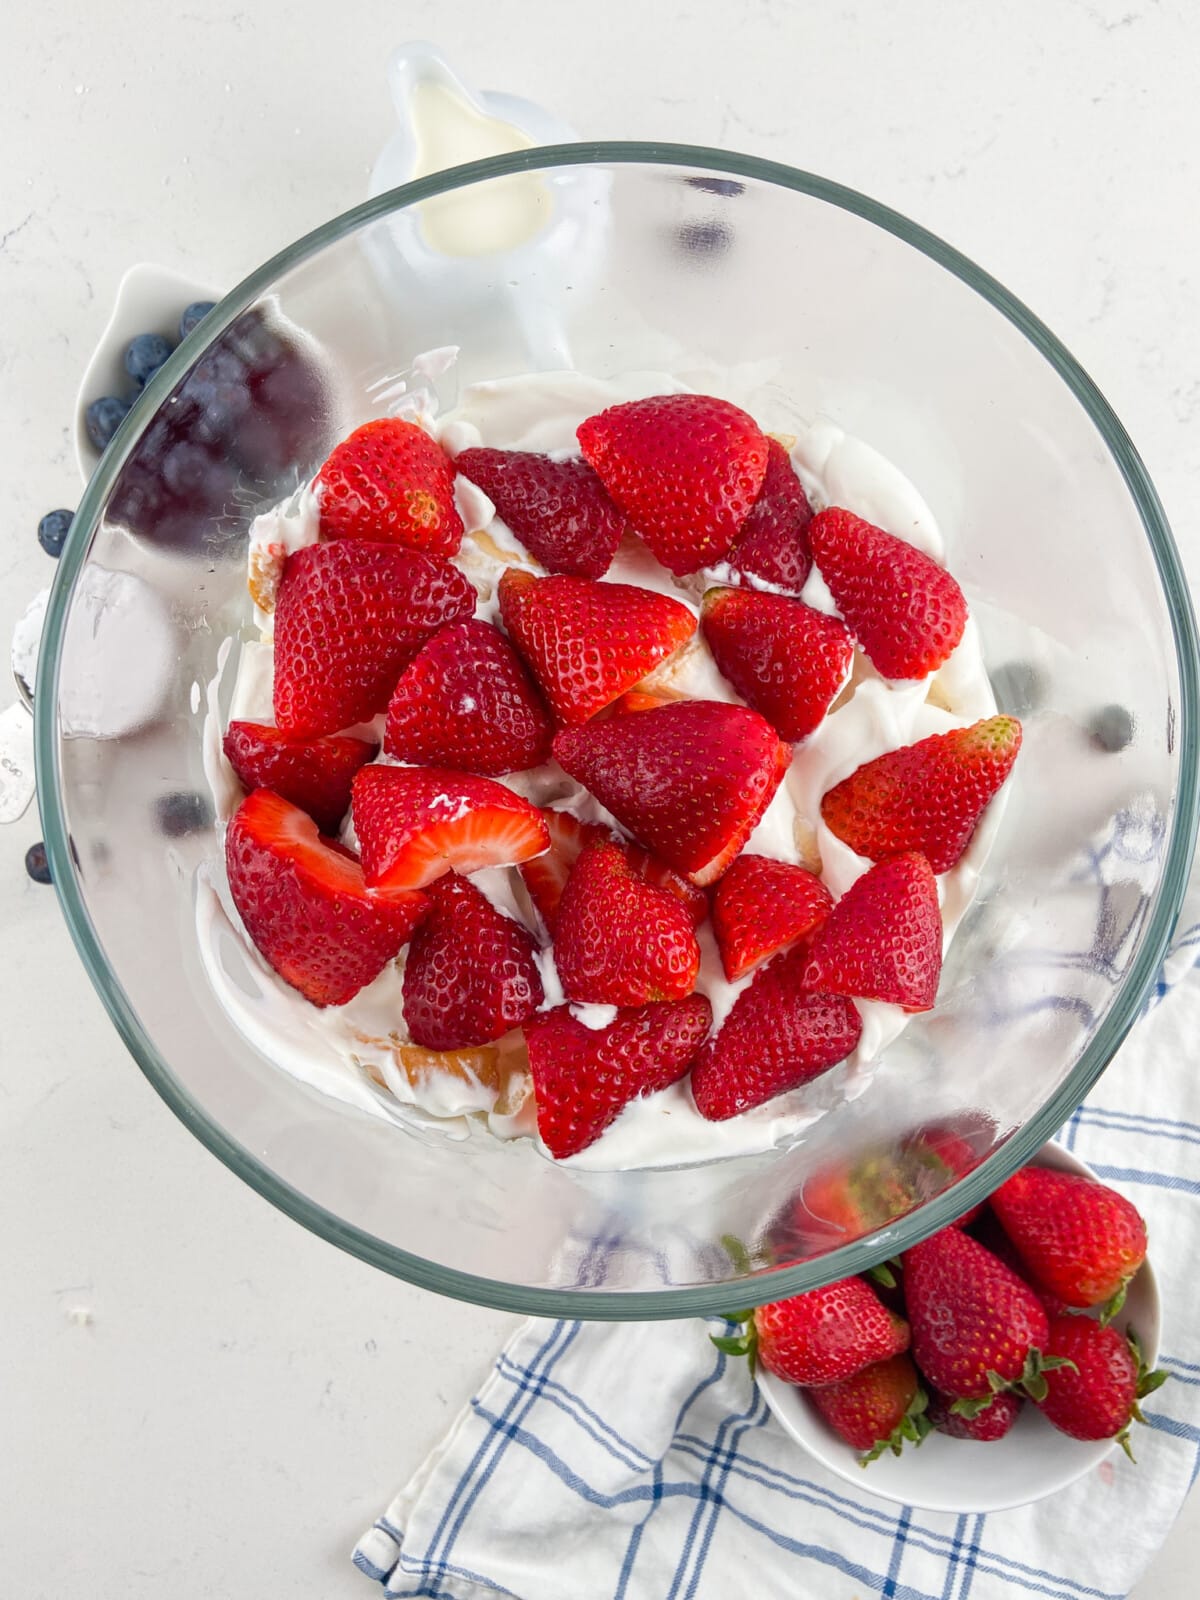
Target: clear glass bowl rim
x: 770, y: 1284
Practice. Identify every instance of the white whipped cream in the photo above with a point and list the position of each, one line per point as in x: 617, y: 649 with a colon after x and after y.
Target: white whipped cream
x: 326, y: 1049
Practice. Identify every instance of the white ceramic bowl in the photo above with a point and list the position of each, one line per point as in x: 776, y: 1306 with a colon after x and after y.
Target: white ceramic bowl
x: 1032, y: 1461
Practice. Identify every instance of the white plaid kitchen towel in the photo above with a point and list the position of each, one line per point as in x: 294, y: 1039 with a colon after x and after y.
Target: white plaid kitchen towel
x: 634, y: 1462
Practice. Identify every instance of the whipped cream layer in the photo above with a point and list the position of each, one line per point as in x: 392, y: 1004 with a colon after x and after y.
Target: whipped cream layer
x: 355, y: 1052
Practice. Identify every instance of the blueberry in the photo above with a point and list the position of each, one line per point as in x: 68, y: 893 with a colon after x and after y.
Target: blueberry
x: 36, y: 864
x: 704, y: 238
x: 1019, y: 687
x: 181, y: 812
x: 144, y: 355
x: 1111, y: 728
x: 193, y: 314
x: 103, y: 417
x: 725, y: 187
x: 53, y: 530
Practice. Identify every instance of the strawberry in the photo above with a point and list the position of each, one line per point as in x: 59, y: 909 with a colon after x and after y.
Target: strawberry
x: 786, y: 660
x: 773, y: 544
x: 935, y: 1157
x: 348, y: 619
x: 927, y: 796
x: 823, y: 1336
x: 584, y: 1077
x: 1077, y: 1238
x: 977, y: 1328
x: 690, y: 780
x: 988, y: 1425
x: 880, y: 1408
x: 653, y: 871
x: 414, y: 823
x: 906, y: 611
x: 619, y: 941
x: 639, y: 700
x: 465, y: 701
x: 305, y: 905
x: 778, y: 1036
x: 685, y: 469
x: 390, y: 482
x: 314, y: 774
x: 545, y: 876
x: 470, y: 974
x: 1094, y: 1394
x: 586, y: 643
x: 557, y: 509
x: 883, y: 939
x: 760, y: 906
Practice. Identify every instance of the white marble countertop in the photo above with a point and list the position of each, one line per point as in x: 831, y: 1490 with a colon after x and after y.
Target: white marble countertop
x: 200, y: 1398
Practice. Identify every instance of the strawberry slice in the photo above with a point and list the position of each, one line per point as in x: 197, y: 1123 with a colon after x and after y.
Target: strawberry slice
x: 760, y: 906
x: 773, y: 544
x: 883, y: 939
x: 465, y: 701
x: 690, y: 780
x: 586, y: 643
x: 784, y: 659
x: 927, y: 796
x: 314, y: 774
x: 414, y: 823
x: 545, y: 876
x: 906, y: 611
x: 685, y: 469
x: 557, y: 509
x: 470, y: 974
x: 778, y: 1036
x: 583, y: 1077
x: 391, y: 483
x: 619, y: 941
x: 349, y: 617
x: 305, y: 905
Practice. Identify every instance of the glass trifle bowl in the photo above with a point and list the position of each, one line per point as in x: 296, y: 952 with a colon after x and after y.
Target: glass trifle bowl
x: 794, y: 298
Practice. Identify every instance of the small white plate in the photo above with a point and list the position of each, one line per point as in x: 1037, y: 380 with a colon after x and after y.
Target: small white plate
x: 150, y: 299
x: 960, y: 1475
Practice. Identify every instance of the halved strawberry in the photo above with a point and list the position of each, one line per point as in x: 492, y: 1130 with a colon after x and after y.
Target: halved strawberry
x: 305, y: 905
x: 773, y: 544
x: 545, y: 876
x: 784, y: 659
x: 760, y: 906
x: 653, y: 871
x: 584, y: 1077
x: 557, y: 509
x: 390, y: 482
x: 470, y: 974
x: 883, y: 939
x: 414, y: 823
x: 927, y: 796
x: 314, y: 774
x: 640, y: 700
x: 349, y: 617
x: 618, y: 941
x: 778, y: 1036
x: 684, y: 468
x: 465, y: 701
x: 906, y: 611
x: 690, y: 780
x: 586, y: 643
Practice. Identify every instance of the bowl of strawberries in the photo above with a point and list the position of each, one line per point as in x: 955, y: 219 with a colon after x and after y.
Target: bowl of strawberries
x: 1031, y: 1326
x: 637, y: 800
